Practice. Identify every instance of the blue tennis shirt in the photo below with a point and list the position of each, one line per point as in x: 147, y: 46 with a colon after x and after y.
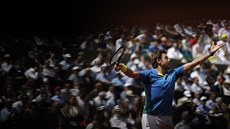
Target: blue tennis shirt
x: 159, y: 90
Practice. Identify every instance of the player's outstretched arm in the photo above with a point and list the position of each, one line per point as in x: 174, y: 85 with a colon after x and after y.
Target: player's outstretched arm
x: 189, y: 66
x: 127, y: 71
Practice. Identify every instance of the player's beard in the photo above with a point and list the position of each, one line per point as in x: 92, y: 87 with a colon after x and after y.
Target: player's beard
x: 166, y: 67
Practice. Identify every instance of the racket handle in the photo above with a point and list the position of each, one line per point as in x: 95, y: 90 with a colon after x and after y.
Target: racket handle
x: 124, y: 68
x: 120, y: 66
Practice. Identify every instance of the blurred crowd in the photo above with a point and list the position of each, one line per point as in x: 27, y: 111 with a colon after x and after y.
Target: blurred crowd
x: 51, y: 84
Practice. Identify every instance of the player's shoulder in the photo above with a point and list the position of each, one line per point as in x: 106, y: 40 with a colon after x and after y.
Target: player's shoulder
x: 179, y: 68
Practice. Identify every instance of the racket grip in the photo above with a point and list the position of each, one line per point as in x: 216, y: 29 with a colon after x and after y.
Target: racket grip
x: 123, y: 68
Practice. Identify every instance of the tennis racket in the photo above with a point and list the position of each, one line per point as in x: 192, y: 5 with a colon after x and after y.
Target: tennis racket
x: 116, y: 57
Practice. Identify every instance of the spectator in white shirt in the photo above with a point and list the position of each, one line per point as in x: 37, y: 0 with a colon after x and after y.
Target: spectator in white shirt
x: 195, y: 87
x: 7, y: 64
x: 226, y: 88
x: 117, y: 120
x: 198, y: 48
x: 174, y: 52
x: 65, y: 63
x: 7, y: 112
x: 31, y: 73
x: 120, y: 42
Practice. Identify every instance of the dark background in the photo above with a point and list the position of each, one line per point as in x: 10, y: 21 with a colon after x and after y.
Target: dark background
x: 83, y: 16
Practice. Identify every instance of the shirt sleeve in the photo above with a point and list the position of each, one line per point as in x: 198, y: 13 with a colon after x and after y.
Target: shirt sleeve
x: 143, y: 75
x: 179, y: 71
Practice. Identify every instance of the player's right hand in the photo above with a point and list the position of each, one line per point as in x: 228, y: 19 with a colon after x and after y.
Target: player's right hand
x: 117, y: 67
x: 120, y: 67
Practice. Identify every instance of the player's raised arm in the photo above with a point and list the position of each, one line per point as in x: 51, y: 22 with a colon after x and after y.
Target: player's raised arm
x: 127, y: 71
x: 199, y: 60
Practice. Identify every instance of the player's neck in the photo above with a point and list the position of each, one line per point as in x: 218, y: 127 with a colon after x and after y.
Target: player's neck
x: 160, y: 70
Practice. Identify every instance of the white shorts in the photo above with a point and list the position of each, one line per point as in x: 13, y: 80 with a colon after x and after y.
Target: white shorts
x: 156, y: 122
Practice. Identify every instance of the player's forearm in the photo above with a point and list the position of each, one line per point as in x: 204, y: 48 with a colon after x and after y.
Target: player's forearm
x: 195, y: 62
x: 127, y: 71
x: 131, y: 73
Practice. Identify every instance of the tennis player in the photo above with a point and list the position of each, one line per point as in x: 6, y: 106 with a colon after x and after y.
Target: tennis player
x: 159, y: 86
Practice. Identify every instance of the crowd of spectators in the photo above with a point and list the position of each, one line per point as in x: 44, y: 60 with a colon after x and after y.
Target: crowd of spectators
x: 70, y: 85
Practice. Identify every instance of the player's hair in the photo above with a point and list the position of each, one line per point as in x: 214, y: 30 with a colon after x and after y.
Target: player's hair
x: 156, y: 55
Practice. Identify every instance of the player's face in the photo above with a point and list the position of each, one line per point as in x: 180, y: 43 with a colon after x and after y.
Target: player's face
x: 164, y: 61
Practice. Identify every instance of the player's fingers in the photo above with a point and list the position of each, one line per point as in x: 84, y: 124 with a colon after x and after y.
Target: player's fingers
x: 117, y: 67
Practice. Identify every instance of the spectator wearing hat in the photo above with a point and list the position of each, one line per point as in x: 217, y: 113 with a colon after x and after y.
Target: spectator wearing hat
x: 65, y: 63
x: 202, y: 107
x: 226, y: 88
x: 198, y: 72
x: 127, y: 86
x: 74, y: 76
x: 217, y: 120
x: 117, y: 120
x: 136, y: 67
x: 200, y: 121
x: 130, y: 62
x: 186, y: 95
x: 184, y: 104
x: 103, y: 75
x: 130, y: 97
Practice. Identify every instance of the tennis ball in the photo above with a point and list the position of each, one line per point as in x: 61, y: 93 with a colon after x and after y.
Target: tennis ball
x: 223, y: 37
